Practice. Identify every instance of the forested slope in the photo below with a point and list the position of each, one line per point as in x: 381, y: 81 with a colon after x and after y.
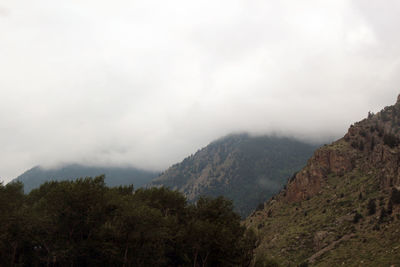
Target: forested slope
x: 247, y: 169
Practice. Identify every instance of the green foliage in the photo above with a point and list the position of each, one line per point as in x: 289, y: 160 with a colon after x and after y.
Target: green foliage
x: 13, y: 226
x: 86, y: 223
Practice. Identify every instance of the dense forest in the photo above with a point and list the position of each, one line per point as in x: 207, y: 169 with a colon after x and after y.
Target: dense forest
x: 86, y: 223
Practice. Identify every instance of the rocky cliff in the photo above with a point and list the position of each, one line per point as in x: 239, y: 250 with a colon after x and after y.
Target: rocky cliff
x: 369, y: 144
x: 342, y: 207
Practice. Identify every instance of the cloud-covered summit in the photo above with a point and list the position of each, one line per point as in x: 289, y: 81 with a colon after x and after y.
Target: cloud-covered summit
x: 148, y: 82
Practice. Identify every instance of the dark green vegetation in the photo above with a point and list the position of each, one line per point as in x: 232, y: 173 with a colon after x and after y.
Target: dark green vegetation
x: 85, y: 223
x: 116, y: 176
x: 343, y: 208
x: 246, y: 169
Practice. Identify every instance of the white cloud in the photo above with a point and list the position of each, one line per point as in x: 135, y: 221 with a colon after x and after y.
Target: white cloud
x: 148, y: 82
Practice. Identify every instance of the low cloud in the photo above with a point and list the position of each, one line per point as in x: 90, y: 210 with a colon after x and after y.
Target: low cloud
x: 147, y: 83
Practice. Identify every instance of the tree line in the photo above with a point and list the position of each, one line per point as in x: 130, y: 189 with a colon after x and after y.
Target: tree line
x: 86, y: 223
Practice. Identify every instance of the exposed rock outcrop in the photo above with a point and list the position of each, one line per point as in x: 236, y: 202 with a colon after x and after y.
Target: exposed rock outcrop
x: 371, y: 143
x: 309, y: 181
x: 344, y: 202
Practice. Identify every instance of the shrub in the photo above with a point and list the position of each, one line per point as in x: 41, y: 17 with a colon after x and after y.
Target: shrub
x: 395, y: 196
x: 390, y: 207
x: 363, y: 133
x: 376, y: 227
x: 260, y: 207
x: 371, y: 207
x: 390, y: 140
x: 372, y: 129
x: 361, y: 145
x: 354, y: 144
x: 370, y: 114
x: 357, y: 217
x: 383, y: 215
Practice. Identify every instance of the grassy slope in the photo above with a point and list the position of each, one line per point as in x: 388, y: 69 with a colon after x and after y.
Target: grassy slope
x: 331, y: 213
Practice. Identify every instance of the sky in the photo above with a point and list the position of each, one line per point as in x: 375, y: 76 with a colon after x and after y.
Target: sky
x: 147, y: 83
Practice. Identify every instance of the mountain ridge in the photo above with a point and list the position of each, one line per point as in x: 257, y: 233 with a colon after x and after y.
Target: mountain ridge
x: 115, y: 176
x: 241, y: 167
x: 343, y: 207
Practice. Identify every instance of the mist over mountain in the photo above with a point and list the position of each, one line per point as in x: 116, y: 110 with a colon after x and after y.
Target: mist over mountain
x: 247, y: 169
x: 147, y: 82
x: 89, y: 86
x: 343, y: 208
x: 115, y: 176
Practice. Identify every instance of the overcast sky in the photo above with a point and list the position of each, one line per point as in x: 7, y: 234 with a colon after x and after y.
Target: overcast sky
x: 148, y: 82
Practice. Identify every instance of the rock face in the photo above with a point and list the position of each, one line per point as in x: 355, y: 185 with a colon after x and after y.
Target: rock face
x: 310, y: 180
x: 243, y: 168
x: 374, y: 143
x: 343, y: 202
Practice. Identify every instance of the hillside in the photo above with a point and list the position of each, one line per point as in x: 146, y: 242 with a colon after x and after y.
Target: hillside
x: 246, y: 169
x: 115, y: 176
x: 343, y: 208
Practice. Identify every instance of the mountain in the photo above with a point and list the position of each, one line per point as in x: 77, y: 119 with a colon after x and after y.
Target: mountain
x: 115, y: 176
x: 343, y: 208
x: 243, y: 168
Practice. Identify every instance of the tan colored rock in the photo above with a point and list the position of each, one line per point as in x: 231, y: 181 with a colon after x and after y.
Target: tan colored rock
x: 309, y: 181
x: 319, y: 240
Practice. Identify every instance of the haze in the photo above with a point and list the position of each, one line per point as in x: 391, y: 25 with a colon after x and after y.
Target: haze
x: 146, y: 83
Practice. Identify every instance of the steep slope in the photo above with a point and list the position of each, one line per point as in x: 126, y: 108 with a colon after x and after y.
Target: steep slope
x: 343, y: 207
x: 246, y: 169
x: 115, y: 176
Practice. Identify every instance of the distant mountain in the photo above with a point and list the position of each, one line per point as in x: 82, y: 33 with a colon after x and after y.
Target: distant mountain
x: 343, y: 208
x: 243, y: 168
x: 115, y: 176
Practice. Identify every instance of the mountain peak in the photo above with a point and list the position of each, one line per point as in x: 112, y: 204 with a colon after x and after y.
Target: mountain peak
x: 243, y: 168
